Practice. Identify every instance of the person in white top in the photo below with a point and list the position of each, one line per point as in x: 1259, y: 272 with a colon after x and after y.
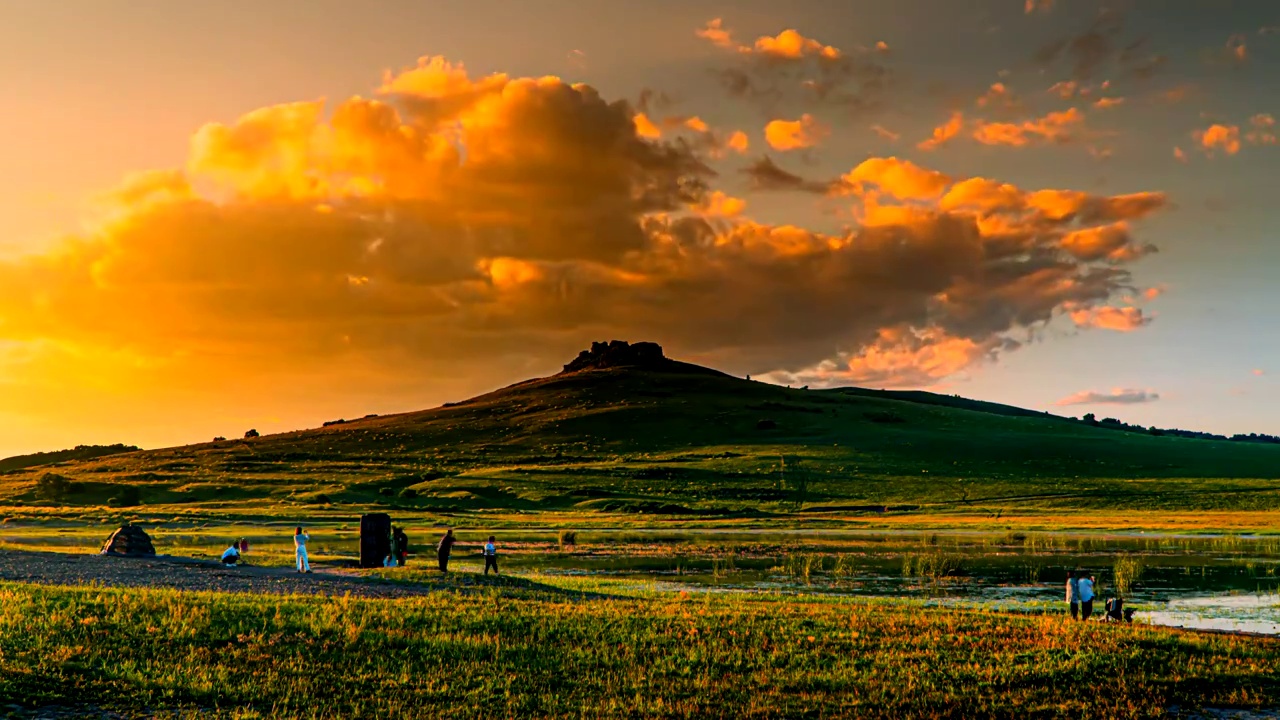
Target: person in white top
x: 1073, y: 594
x: 300, y: 543
x: 1086, y: 597
x: 490, y: 557
x: 231, y: 555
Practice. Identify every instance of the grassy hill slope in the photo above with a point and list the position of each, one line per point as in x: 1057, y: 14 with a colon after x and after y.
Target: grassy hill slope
x: 681, y: 439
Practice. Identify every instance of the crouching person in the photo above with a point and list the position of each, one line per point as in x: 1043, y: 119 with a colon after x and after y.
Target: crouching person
x: 231, y: 556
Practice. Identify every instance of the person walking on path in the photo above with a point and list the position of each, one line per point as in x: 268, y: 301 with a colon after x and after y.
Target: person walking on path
x: 1086, y: 597
x: 300, y: 539
x: 394, y: 554
x: 443, y: 548
x: 1073, y: 594
x: 402, y: 545
x: 490, y: 557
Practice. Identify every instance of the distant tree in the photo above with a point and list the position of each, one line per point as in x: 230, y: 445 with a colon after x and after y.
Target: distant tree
x: 219, y: 439
x: 251, y: 434
x: 1090, y: 419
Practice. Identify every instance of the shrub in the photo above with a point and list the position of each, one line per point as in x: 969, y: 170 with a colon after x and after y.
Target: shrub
x: 883, y: 416
x: 567, y: 537
x: 766, y: 424
x: 55, y: 487
x: 251, y: 433
x: 408, y: 493
x: 219, y: 439
x: 386, y: 492
x: 323, y: 499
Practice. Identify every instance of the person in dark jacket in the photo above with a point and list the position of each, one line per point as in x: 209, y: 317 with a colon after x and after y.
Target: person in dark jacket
x: 402, y: 546
x: 491, y: 556
x: 443, y: 548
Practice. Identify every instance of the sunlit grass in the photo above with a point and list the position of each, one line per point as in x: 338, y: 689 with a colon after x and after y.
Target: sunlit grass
x: 507, y: 654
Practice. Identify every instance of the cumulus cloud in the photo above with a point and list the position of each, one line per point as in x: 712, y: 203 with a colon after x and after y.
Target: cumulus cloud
x: 1117, y: 396
x: 474, y: 227
x: 1219, y: 137
x: 804, y: 132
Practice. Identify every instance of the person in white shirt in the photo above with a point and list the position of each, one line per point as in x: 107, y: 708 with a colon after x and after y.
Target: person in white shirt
x: 490, y: 557
x: 300, y: 543
x: 1086, y: 597
x: 231, y: 555
x: 1073, y: 594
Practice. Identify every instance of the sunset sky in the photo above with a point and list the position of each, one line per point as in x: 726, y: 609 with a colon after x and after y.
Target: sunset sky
x: 222, y: 216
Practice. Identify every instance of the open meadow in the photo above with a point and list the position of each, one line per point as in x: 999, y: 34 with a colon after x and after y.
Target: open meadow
x: 674, y: 542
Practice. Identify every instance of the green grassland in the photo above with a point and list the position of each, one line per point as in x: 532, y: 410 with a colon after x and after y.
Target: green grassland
x: 505, y: 651
x: 680, y: 444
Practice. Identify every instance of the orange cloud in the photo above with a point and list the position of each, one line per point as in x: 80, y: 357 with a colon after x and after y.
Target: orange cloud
x: 1043, y: 6
x: 795, y: 134
x: 738, y: 142
x: 943, y: 134
x: 1055, y: 127
x: 1179, y: 155
x: 901, y: 179
x: 645, y: 127
x: 1125, y: 319
x: 1263, y: 130
x: 1000, y: 97
x: 1219, y: 137
x: 456, y: 232
x: 1108, y: 102
x: 715, y: 32
x: 791, y: 45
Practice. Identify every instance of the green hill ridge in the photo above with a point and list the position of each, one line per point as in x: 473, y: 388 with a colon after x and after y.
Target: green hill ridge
x: 623, y: 429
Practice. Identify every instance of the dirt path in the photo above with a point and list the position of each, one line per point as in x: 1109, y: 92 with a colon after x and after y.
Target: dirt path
x: 50, y: 568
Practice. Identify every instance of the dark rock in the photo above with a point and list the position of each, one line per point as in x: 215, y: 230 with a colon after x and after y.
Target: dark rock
x: 618, y: 353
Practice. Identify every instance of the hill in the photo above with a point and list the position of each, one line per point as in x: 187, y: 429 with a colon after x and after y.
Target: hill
x: 641, y: 433
x: 79, y: 452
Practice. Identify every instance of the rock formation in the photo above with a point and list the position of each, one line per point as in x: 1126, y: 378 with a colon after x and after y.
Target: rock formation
x: 619, y: 353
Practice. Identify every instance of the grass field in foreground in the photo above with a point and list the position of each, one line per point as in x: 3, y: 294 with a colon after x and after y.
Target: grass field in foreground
x: 505, y: 653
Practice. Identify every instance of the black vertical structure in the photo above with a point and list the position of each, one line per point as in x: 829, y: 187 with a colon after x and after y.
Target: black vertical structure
x: 375, y: 539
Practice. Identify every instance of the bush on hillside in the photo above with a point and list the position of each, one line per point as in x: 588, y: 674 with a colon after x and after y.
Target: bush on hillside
x: 252, y: 433
x: 386, y: 491
x: 55, y: 487
x: 408, y: 493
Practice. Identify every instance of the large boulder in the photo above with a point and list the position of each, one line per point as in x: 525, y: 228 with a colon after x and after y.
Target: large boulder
x: 129, y: 541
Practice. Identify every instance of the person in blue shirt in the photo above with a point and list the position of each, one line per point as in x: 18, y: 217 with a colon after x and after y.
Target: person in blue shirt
x: 1086, y: 597
x: 490, y: 556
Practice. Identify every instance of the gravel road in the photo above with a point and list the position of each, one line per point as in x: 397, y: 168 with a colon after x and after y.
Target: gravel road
x: 51, y: 568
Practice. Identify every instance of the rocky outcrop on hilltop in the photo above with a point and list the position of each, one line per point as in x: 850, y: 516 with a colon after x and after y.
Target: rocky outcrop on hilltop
x: 619, y: 353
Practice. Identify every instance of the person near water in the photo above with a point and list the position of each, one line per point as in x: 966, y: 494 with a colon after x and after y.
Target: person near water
x: 231, y: 556
x: 300, y: 539
x: 1086, y: 597
x: 1073, y: 594
x: 402, y: 545
x: 443, y: 548
x: 1115, y: 610
x: 491, y: 556
x: 394, y: 553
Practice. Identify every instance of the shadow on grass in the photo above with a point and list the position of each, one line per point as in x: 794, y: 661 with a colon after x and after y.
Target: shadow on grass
x: 464, y: 582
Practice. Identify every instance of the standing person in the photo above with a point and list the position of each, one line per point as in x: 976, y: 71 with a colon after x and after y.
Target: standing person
x: 443, y: 549
x: 1086, y: 597
x: 491, y: 557
x: 300, y: 539
x: 402, y: 544
x: 394, y: 555
x: 1073, y: 594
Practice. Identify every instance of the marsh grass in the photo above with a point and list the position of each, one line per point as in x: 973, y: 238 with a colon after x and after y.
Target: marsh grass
x: 499, y: 655
x: 932, y: 566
